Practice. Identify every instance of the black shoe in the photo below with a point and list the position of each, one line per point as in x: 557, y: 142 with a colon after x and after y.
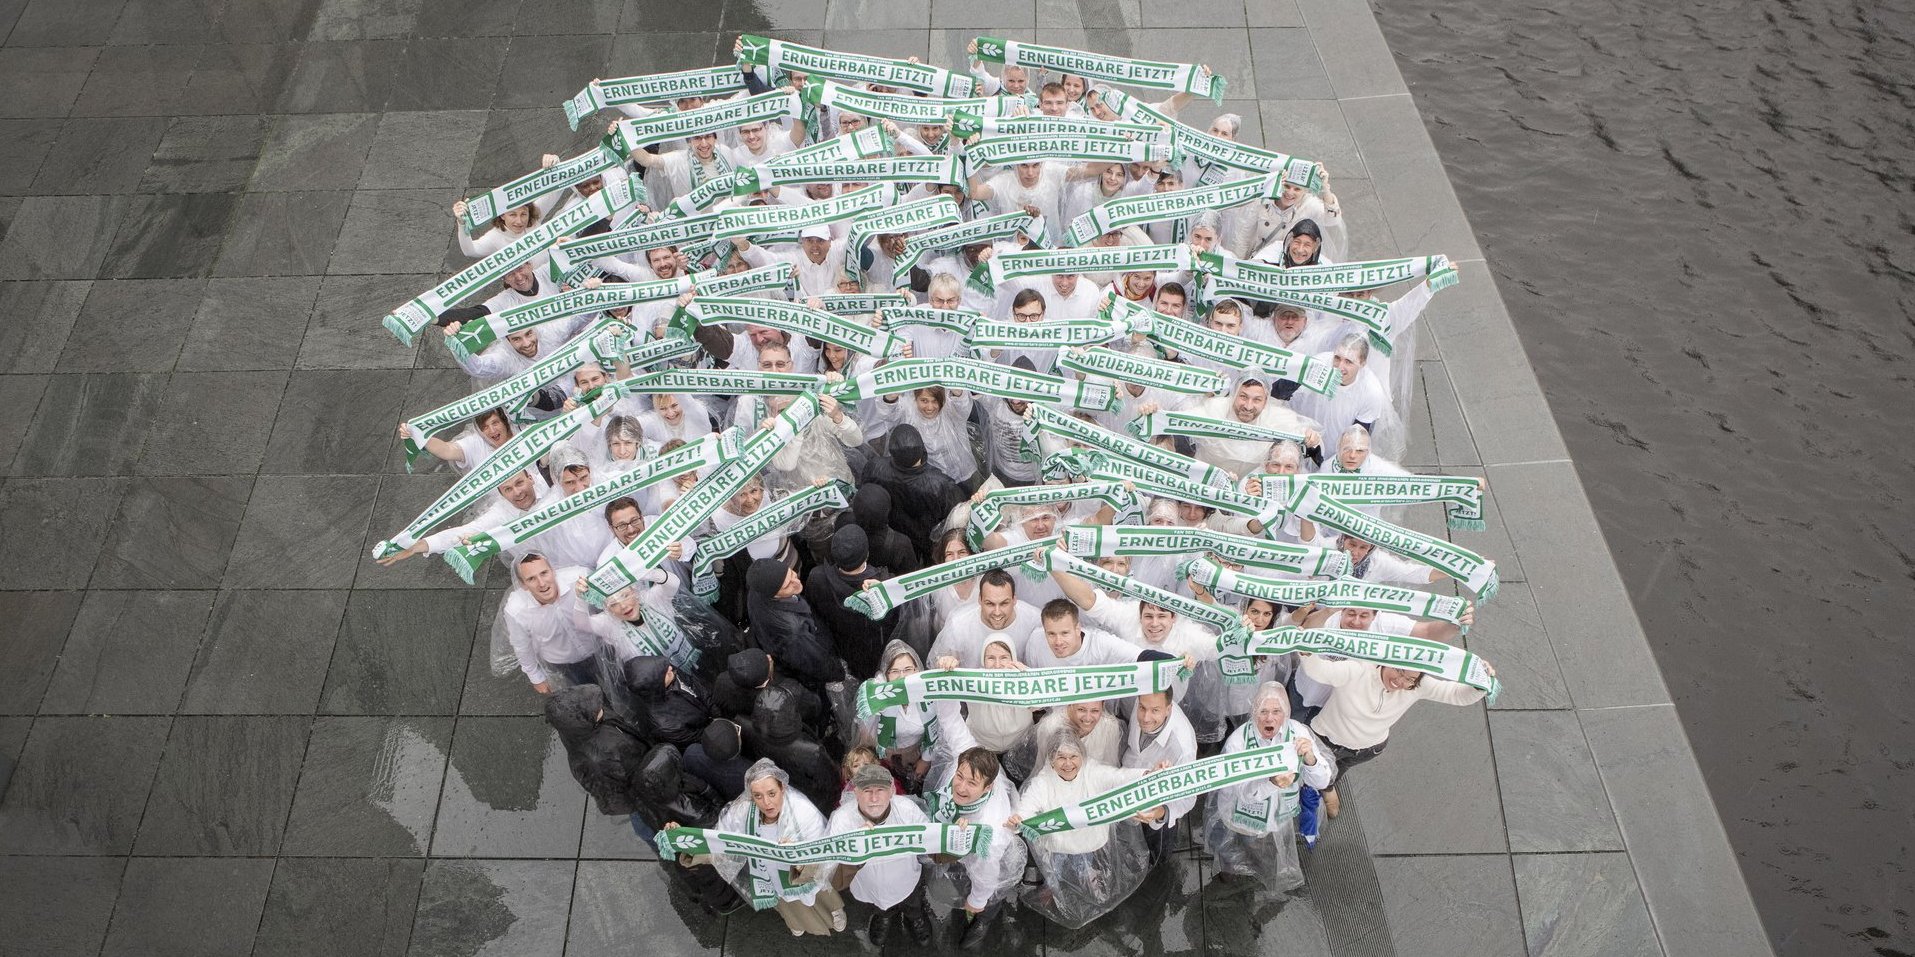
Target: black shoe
x: 980, y: 927
x: 917, y: 922
x: 879, y: 928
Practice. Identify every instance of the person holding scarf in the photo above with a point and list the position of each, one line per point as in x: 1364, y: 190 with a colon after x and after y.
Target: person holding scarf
x: 1249, y: 827
x: 771, y: 810
x: 894, y: 886
x: 980, y: 794
x: 1087, y: 871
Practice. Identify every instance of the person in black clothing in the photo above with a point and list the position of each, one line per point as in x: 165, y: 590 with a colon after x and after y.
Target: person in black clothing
x: 747, y: 672
x: 675, y: 704
x: 782, y: 624
x: 665, y: 795
x: 889, y: 548
x: 858, y: 639
x: 921, y: 497
x: 604, y: 750
x: 718, y: 759
x: 778, y: 733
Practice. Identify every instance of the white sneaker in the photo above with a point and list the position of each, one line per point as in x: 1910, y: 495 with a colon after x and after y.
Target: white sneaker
x: 837, y: 920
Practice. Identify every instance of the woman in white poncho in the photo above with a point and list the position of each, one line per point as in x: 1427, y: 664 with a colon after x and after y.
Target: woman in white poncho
x: 772, y: 811
x: 1250, y: 828
x: 673, y: 417
x: 1360, y: 400
x: 1086, y: 871
x: 995, y: 726
x: 918, y: 742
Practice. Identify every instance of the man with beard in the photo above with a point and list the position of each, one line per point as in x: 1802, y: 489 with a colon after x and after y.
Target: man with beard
x: 894, y: 886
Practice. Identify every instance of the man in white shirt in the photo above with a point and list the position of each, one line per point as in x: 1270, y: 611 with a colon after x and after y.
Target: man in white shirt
x: 819, y: 258
x: 894, y: 886
x: 997, y: 610
x: 1250, y: 404
x: 1367, y: 700
x: 548, y: 625
x: 1159, y: 734
x: 1063, y: 643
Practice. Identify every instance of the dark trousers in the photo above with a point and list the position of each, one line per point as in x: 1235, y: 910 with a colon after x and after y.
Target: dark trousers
x: 1348, y: 758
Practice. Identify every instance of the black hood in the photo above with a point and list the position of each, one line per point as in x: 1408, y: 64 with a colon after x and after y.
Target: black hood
x: 573, y: 713
x: 906, y: 445
x: 871, y: 509
x: 646, y: 676
x: 658, y: 776
x: 776, y: 715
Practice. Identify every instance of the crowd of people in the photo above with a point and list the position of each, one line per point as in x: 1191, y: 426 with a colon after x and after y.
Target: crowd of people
x: 958, y: 504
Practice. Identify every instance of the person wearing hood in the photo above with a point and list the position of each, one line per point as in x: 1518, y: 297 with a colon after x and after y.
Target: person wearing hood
x: 667, y: 795
x: 923, y: 496
x: 783, y: 625
x: 772, y: 811
x: 858, y: 639
x: 735, y: 690
x: 604, y: 751
x: 1250, y: 827
x: 1086, y: 871
x: 894, y: 886
x: 675, y: 705
x: 995, y: 726
x: 921, y: 741
x: 718, y: 758
x: 887, y: 547
x: 777, y: 731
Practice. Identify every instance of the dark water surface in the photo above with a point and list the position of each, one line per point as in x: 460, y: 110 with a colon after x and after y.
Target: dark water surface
x: 1702, y: 217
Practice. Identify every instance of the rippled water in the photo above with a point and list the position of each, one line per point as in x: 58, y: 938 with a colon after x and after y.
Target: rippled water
x: 1701, y: 217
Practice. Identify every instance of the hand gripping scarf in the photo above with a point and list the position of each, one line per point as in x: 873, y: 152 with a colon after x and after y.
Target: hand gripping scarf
x: 1049, y: 334
x: 1477, y: 573
x: 706, y: 453
x: 793, y: 318
x: 599, y: 343
x: 1178, y: 377
x: 1216, y: 617
x: 1462, y: 496
x: 749, y: 221
x: 988, y: 512
x: 976, y: 231
x: 1049, y: 421
x: 1434, y: 658
x: 931, y: 212
x: 574, y: 253
x: 965, y: 124
x: 515, y: 456
x: 692, y: 509
x: 482, y: 209
x: 1180, y: 77
x: 637, y: 134
x: 406, y: 321
x: 796, y: 58
x: 1176, y: 204
x: 1097, y: 541
x: 720, y: 382
x: 1205, y: 343
x: 1342, y: 593
x: 977, y: 375
x: 769, y: 520
x: 1049, y: 262
x: 654, y: 88
x: 1202, y: 426
x: 906, y: 170
x: 861, y: 846
x: 1070, y: 147
x: 909, y: 110
x: 1158, y: 788
x: 1030, y: 688
x: 1374, y: 317
x: 960, y: 321
x: 877, y: 601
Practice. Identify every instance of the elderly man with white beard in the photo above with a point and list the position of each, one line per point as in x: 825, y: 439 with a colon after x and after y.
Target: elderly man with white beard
x: 893, y: 886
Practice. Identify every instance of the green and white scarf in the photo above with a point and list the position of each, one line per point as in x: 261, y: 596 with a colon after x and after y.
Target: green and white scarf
x: 637, y: 134
x: 1338, y: 277
x: 406, y: 322
x: 907, y: 170
x: 1216, y: 617
x: 1265, y: 814
x: 1434, y: 658
x: 1374, y: 317
x: 599, y: 343
x: 931, y: 212
x: 515, y: 456
x: 573, y: 253
x: 1342, y: 593
x: 1046, y: 420
x: 908, y: 110
x: 1164, y: 484
x: 1049, y: 262
x: 658, y: 634
x: 1477, y: 573
x: 860, y: 303
x: 475, y: 335
x: 965, y: 124
x: 1159, y: 788
x: 653, y: 88
x: 1180, y: 77
x: 976, y: 231
x: 1203, y: 426
x: 624, y: 569
x: 643, y: 354
x: 792, y: 57
x: 1071, y: 147
x: 707, y: 453
x: 1214, y: 154
x: 872, y: 141
x: 1205, y: 343
x: 720, y: 382
x: 861, y: 846
x: 879, y: 600
x: 750, y: 221
x: 791, y: 317
x: 988, y: 512
x: 1176, y: 204
x: 773, y: 518
x: 1030, y: 688
x: 977, y: 375
x: 1049, y: 334
x: 1461, y: 495
x: 1096, y: 541
x: 960, y: 321
x: 482, y: 209
x: 709, y: 185
x: 1177, y: 377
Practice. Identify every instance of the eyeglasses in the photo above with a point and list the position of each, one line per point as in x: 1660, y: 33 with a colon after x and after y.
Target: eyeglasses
x: 634, y: 525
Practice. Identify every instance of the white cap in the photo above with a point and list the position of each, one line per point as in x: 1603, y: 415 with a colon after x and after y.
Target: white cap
x: 815, y: 232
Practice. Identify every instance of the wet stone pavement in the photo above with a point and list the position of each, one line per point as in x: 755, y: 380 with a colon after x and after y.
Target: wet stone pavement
x: 223, y: 731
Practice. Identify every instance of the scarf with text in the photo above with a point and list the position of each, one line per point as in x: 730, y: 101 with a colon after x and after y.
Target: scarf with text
x: 781, y: 56
x: 860, y: 846
x: 987, y: 230
x: 1338, y: 277
x: 901, y: 109
x: 1004, y: 267
x: 977, y: 375
x: 1161, y: 422
x: 1475, y: 572
x: 573, y: 253
x: 1461, y: 495
x: 1178, y: 77
x: 653, y: 88
x: 1341, y: 593
x: 1433, y: 658
x: 721, y: 382
x: 907, y: 170
x: 1046, y: 420
x: 1158, y: 788
x: 1176, y: 204
x: 637, y: 134
x: 480, y: 210
x: 878, y: 600
x: 860, y: 303
x: 931, y: 212
x: 753, y: 221
x: 1373, y: 317
x: 1179, y: 377
x: 959, y: 321
x: 1068, y: 147
x: 1030, y: 688
x: 771, y: 519
x: 791, y: 317
x: 1097, y: 541
x: 965, y: 124
x: 1048, y: 334
x: 987, y: 513
x: 600, y: 343
x: 1183, y: 336
x: 1215, y: 616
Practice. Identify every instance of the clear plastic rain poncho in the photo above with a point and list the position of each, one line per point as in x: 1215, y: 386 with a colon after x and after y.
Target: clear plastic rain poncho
x: 1250, y: 828
x: 979, y: 879
x: 765, y: 883
x: 1086, y: 871
x: 624, y: 445
x: 1363, y: 398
